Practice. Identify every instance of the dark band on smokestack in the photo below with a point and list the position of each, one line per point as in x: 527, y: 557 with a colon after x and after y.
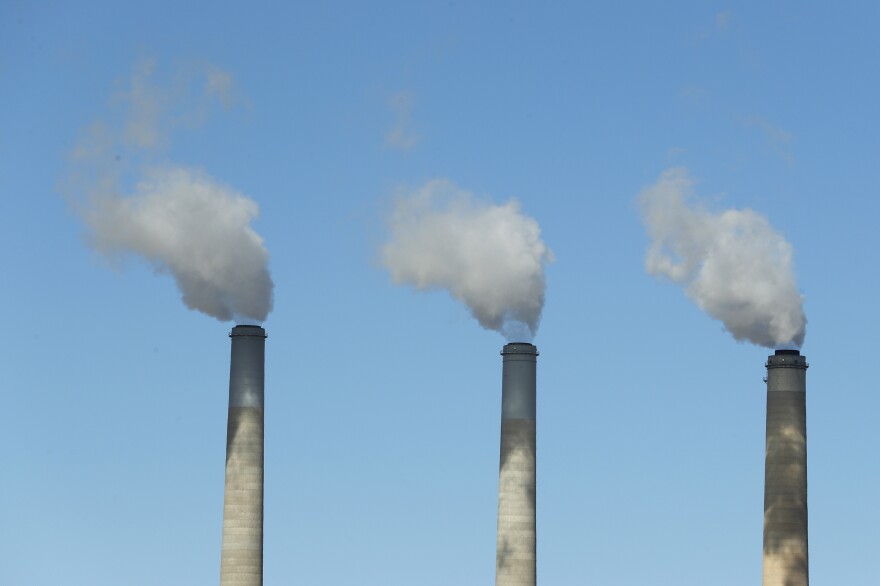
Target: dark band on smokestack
x: 515, y: 556
x: 241, y: 561
x: 786, y: 560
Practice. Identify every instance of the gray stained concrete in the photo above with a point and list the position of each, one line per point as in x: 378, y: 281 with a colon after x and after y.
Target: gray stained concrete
x: 515, y: 559
x: 786, y: 559
x: 241, y: 562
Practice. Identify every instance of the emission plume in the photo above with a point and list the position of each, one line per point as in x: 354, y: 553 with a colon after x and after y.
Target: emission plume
x: 188, y: 225
x: 490, y: 257
x: 733, y: 264
x: 179, y: 219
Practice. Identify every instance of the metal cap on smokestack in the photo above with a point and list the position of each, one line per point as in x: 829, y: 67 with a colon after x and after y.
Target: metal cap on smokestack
x: 786, y: 560
x: 241, y: 561
x: 515, y: 556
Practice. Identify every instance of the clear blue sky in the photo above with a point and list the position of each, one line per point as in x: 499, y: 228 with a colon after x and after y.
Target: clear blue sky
x: 383, y: 404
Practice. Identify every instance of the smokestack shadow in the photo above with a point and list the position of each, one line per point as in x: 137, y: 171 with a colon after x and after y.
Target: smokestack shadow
x: 246, y: 422
x: 517, y: 437
x: 232, y: 426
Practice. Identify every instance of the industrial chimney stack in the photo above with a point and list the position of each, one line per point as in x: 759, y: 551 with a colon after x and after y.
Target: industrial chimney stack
x: 515, y: 550
x: 241, y: 562
x: 786, y: 562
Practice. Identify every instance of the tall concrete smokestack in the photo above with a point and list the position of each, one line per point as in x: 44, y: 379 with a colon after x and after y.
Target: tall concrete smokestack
x: 241, y: 562
x: 786, y: 562
x: 516, y: 548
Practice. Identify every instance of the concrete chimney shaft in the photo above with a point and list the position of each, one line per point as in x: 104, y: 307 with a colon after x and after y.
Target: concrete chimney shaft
x: 786, y: 562
x: 515, y: 554
x: 241, y: 562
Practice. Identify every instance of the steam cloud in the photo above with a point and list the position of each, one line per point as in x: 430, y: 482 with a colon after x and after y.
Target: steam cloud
x: 186, y: 224
x: 733, y: 264
x: 180, y: 220
x: 489, y: 256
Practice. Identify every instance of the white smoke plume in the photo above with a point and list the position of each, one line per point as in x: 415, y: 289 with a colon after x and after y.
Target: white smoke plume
x: 186, y: 224
x: 180, y: 220
x: 491, y: 257
x: 734, y: 265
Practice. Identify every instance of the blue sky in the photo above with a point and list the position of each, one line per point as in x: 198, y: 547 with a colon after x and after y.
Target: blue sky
x: 383, y: 404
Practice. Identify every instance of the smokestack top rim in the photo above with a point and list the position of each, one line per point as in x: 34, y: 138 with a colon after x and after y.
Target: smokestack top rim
x: 248, y: 330
x: 787, y: 359
x: 519, y: 348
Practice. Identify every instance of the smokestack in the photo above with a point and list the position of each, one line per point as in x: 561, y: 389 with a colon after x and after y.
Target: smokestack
x: 786, y: 562
x: 515, y: 559
x: 241, y: 562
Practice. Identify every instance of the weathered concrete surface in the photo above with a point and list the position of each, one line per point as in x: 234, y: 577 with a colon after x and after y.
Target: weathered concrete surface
x: 515, y: 563
x: 786, y: 559
x: 241, y: 562
x: 515, y: 559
